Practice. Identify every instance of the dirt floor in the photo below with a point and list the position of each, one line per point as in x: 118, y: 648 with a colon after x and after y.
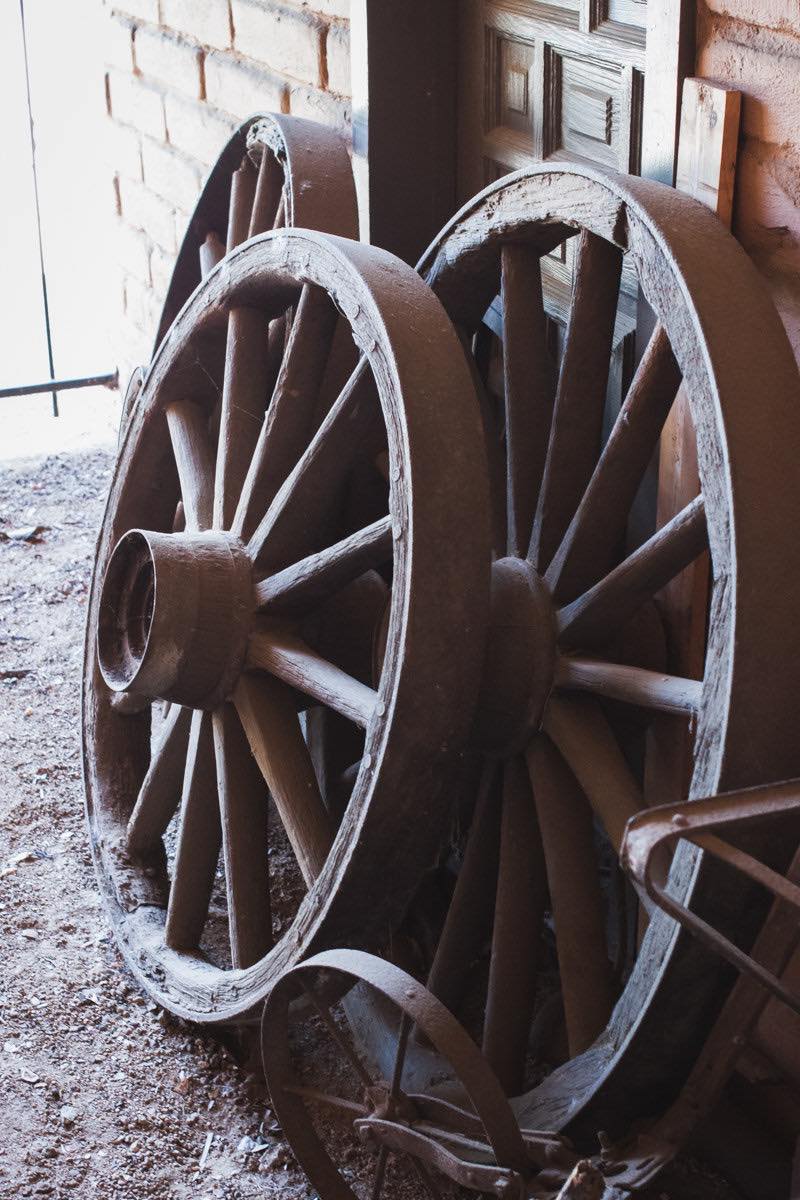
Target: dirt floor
x: 103, y: 1094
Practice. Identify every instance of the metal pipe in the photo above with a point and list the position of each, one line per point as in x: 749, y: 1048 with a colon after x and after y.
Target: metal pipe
x: 110, y: 380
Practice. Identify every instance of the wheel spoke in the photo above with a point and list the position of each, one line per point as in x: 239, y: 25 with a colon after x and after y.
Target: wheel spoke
x: 406, y: 1023
x: 250, y: 370
x: 292, y: 522
x: 243, y: 190
x: 212, y: 251
x: 160, y: 793
x: 199, y: 840
x: 519, y: 911
x: 244, y: 809
x: 529, y: 388
x: 586, y: 550
x: 380, y: 1172
x: 289, y: 423
x: 632, y: 685
x: 280, y: 215
x: 473, y: 899
x: 580, y: 396
x: 249, y: 378
x: 576, y: 899
x: 188, y: 430
x: 601, y: 613
x: 288, y: 658
x: 582, y: 735
x: 268, y: 194
x: 338, y: 1037
x: 307, y: 583
x: 350, y: 1108
x: 272, y: 728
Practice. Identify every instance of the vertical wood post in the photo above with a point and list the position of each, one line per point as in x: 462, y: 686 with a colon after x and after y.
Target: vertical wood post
x: 404, y: 120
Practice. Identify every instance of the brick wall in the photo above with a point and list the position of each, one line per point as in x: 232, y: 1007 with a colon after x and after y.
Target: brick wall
x: 181, y: 74
x: 754, y: 45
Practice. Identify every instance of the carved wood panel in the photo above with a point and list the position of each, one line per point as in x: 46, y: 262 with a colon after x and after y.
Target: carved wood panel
x: 552, y: 81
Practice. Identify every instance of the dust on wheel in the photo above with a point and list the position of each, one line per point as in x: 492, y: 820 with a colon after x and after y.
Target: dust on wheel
x: 287, y: 533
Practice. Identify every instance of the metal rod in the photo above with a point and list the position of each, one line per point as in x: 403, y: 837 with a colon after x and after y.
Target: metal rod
x: 109, y: 380
x: 47, y: 331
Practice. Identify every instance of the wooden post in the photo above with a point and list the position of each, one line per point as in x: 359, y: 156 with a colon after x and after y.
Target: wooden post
x: 706, y: 169
x: 404, y: 120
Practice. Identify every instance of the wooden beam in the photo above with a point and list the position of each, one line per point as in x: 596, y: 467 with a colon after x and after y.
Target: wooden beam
x: 404, y: 120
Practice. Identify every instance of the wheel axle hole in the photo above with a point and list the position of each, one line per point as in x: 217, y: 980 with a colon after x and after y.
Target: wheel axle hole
x: 126, y: 610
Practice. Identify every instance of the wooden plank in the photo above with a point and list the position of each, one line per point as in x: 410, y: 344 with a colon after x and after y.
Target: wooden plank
x: 709, y: 137
x: 669, y: 57
x: 706, y: 170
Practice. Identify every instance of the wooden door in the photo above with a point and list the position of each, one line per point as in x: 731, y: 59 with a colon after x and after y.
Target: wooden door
x: 563, y: 80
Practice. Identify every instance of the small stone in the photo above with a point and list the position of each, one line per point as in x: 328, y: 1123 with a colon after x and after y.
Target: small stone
x: 69, y: 1115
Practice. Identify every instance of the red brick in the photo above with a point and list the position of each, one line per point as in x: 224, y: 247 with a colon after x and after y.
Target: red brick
x: 141, y: 306
x: 161, y: 267
x: 289, y: 40
x: 196, y: 128
x: 132, y: 251
x: 145, y: 10
x: 122, y: 149
x: 144, y: 210
x: 338, y: 58
x: 133, y: 103
x: 331, y: 8
x: 170, y: 59
x: 241, y: 88
x: 170, y: 174
x: 118, y: 43
x: 206, y: 20
x: 323, y: 107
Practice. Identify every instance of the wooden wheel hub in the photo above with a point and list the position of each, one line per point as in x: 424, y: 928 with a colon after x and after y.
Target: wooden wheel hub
x: 174, y: 616
x: 520, y: 657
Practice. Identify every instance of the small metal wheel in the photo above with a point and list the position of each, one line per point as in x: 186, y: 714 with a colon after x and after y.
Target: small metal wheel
x: 323, y: 1097
x: 242, y: 579
x: 582, y: 716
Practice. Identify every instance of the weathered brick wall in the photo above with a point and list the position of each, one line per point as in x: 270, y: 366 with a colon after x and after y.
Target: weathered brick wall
x: 754, y: 45
x: 181, y: 74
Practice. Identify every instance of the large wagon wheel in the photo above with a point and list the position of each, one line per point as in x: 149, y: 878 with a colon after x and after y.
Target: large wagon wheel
x: 275, y: 171
x: 305, y: 181
x: 223, y: 615
x: 566, y: 593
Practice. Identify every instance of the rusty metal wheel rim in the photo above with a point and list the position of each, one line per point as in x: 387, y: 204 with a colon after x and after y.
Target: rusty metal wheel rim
x: 688, y: 268
x: 395, y: 817
x: 418, y: 1013
x: 315, y: 179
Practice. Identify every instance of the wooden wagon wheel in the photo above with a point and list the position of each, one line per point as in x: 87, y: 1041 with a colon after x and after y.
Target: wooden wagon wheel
x: 566, y: 592
x: 293, y: 172
x: 222, y: 611
x: 275, y: 171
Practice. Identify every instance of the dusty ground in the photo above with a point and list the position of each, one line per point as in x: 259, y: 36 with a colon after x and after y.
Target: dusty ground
x: 103, y: 1094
